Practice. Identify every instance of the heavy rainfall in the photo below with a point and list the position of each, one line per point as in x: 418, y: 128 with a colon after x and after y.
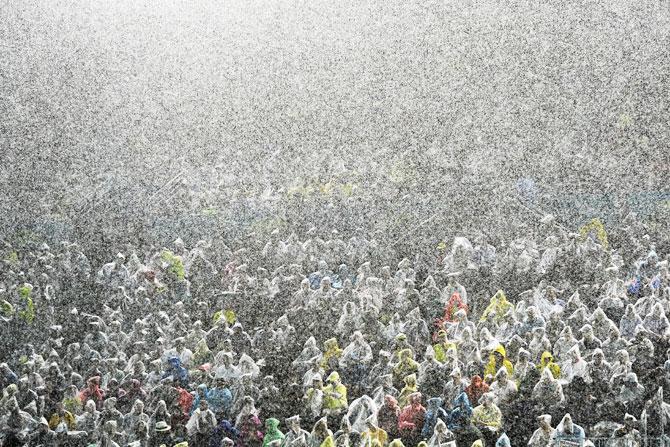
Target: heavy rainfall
x: 372, y: 223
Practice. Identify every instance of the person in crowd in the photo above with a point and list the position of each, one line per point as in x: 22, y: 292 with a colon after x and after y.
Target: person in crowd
x: 132, y: 355
x: 488, y: 418
x: 544, y: 433
x: 568, y: 431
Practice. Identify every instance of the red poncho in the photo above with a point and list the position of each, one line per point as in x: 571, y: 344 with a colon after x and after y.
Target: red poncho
x: 185, y: 400
x: 92, y: 392
x: 476, y: 389
x: 454, y: 305
x: 412, y: 416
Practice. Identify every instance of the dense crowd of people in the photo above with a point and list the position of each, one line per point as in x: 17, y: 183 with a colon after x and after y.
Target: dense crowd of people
x: 553, y: 338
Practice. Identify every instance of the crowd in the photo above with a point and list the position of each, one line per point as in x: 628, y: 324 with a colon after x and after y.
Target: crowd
x: 553, y: 338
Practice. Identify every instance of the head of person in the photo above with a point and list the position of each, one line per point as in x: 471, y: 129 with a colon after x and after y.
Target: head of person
x: 568, y: 425
x: 544, y: 422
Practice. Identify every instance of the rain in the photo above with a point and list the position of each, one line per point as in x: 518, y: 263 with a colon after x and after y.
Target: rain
x: 288, y: 223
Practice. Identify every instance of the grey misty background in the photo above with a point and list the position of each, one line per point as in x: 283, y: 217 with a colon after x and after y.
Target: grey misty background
x: 130, y: 120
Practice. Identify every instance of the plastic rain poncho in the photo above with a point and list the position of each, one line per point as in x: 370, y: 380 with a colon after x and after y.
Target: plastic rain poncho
x: 434, y: 414
x: 362, y: 411
x: 356, y: 352
x: 308, y: 353
x: 569, y: 431
x: 273, y: 437
x: 331, y: 354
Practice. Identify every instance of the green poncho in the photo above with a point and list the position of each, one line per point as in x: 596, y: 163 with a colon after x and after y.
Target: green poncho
x: 28, y: 314
x: 272, y: 432
x: 175, y: 265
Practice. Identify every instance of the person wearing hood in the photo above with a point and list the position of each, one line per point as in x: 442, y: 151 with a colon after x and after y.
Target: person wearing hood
x: 431, y: 374
x: 409, y: 388
x: 544, y: 433
x: 246, y: 365
x: 441, y: 435
x: 497, y: 306
x: 331, y: 355
x: 588, y: 343
x: 547, y: 362
x: 373, y: 435
x: 135, y: 416
x: 349, y: 321
x: 631, y: 394
x: 601, y: 324
x: 315, y: 370
x: 416, y: 328
x: 434, y: 414
x: 532, y: 321
x: 599, y: 372
x: 176, y: 371
x: 40, y: 435
x: 334, y: 395
x: 628, y: 432
x: 273, y: 436
x: 568, y: 431
x: 220, y: 398
x: 613, y: 343
x: 555, y: 324
x: 508, y: 327
x: 110, y: 413
x: 620, y: 368
x: 455, y: 330
x: 295, y: 432
x: 313, y: 399
x: 385, y: 388
x: 656, y: 322
x: 488, y: 418
x: 345, y: 437
x: 459, y: 422
x: 498, y: 359
x: 360, y: 410
x: 476, y: 389
x: 61, y: 415
x: 356, y: 358
x: 411, y: 419
x: 249, y: 425
x: 88, y: 420
x: 201, y: 393
x: 7, y: 376
x: 629, y: 323
x: 573, y: 366
x: 453, y: 286
x: 200, y: 425
x: 564, y: 342
x: 270, y: 397
x: 383, y: 366
x: 548, y: 390
x: 321, y: 436
x: 223, y: 367
x: 316, y: 277
x: 92, y: 392
x: 406, y: 366
x: 442, y: 346
x: 431, y: 298
x: 522, y: 366
x: 539, y: 343
x: 468, y: 348
x: 388, y: 414
x: 503, y: 388
x: 454, y: 304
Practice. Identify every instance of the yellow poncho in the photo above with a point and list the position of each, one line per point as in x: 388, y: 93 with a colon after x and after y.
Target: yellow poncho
x: 330, y: 402
x: 498, y: 305
x: 332, y: 351
x: 491, y: 367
